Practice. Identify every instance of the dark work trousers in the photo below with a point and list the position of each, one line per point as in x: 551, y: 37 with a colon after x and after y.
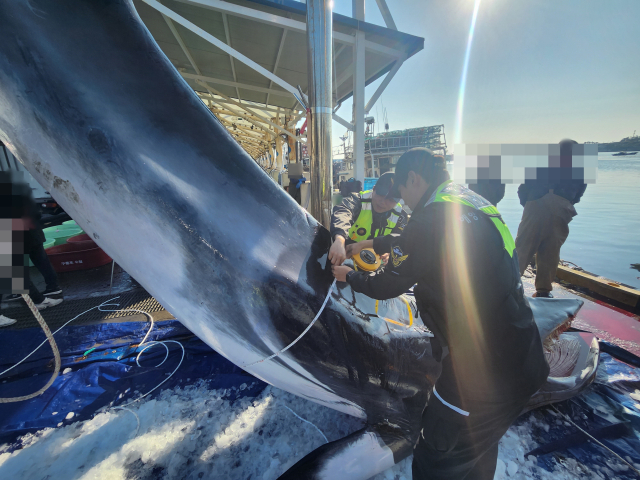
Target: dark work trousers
x: 454, y: 447
x: 41, y: 261
x: 35, y: 294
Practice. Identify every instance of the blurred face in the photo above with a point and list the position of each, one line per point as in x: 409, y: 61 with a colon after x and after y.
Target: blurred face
x: 382, y: 204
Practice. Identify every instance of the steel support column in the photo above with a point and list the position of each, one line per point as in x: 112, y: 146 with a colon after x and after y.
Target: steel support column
x: 358, y: 94
x: 320, y: 53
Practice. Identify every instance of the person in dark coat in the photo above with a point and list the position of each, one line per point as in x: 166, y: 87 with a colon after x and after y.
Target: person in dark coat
x: 461, y: 257
x: 548, y: 203
x: 491, y: 189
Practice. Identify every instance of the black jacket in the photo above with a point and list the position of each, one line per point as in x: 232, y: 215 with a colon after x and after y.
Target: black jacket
x: 345, y: 214
x: 18, y: 202
x: 531, y: 190
x: 470, y: 295
x: 491, y: 189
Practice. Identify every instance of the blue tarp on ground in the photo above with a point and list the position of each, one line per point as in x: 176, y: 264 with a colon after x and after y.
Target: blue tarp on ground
x: 107, y: 375
x: 608, y: 403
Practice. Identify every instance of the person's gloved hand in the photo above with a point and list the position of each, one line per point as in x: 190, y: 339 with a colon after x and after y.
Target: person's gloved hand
x: 301, y: 181
x: 337, y: 253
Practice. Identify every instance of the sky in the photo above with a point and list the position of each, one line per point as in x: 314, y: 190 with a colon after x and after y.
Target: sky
x: 539, y: 70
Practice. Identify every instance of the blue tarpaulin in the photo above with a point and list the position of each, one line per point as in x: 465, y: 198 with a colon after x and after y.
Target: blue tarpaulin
x: 106, y: 375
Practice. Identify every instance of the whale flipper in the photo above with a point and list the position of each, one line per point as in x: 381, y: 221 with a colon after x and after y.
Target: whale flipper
x: 360, y: 455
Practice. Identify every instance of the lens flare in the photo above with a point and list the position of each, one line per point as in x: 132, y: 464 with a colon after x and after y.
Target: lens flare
x: 463, y: 78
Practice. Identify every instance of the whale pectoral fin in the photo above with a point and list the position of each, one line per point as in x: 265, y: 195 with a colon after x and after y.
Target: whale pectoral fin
x: 360, y: 455
x: 551, y: 313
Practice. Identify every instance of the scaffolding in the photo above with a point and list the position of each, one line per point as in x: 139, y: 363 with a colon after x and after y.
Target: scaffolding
x: 399, y: 141
x: 383, y: 150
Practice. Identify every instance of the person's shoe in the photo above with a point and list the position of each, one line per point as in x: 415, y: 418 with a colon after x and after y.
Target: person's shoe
x: 48, y: 302
x: 543, y: 295
x: 52, y: 291
x: 13, y: 298
x: 6, y: 321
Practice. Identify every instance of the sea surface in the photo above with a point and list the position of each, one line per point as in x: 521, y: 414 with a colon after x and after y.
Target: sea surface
x: 604, y: 238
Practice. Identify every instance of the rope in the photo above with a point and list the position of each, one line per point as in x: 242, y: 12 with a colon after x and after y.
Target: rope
x: 163, y: 343
x: 56, y: 353
x: 324, y: 304
x: 54, y: 347
x: 566, y: 417
x: 67, y: 323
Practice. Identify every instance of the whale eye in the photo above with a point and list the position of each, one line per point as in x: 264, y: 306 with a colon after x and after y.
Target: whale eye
x: 368, y: 256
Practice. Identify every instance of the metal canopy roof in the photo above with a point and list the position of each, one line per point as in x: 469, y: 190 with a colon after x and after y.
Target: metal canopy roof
x: 269, y: 35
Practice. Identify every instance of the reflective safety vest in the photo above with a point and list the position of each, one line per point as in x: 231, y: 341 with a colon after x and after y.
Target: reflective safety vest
x: 361, y: 228
x: 454, y: 193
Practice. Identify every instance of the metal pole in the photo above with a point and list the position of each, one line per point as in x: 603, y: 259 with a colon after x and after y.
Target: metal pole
x: 320, y: 65
x: 358, y: 95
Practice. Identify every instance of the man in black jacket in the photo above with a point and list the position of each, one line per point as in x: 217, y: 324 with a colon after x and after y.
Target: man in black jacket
x: 365, y: 215
x: 459, y: 252
x: 548, y: 203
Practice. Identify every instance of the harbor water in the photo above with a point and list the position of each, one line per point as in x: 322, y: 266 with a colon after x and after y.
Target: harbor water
x: 604, y: 237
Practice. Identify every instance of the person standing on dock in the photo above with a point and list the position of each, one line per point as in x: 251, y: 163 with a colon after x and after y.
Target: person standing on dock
x: 365, y: 215
x: 491, y: 189
x: 548, y: 203
x: 461, y: 257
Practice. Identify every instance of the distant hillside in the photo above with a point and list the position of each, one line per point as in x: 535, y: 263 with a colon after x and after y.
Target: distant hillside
x: 628, y: 144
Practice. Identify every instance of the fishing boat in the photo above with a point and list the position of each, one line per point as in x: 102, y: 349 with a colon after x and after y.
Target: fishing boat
x: 621, y: 154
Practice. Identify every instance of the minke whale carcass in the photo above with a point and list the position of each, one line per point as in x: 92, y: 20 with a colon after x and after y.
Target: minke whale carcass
x: 99, y: 116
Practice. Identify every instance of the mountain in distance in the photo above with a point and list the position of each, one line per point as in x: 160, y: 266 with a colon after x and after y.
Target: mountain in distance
x: 627, y: 144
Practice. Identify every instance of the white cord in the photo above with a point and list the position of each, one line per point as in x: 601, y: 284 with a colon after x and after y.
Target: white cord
x: 161, y: 383
x: 307, y: 421
x: 127, y: 311
x: 45, y: 341
x: 595, y: 439
x: 135, y: 414
x: 57, y: 354
x: 324, y: 304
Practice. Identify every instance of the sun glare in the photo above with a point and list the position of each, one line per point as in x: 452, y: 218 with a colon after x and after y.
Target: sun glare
x: 463, y: 77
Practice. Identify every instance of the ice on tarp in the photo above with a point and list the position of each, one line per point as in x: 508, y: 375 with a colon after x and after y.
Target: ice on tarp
x: 198, y: 433
x: 215, y: 421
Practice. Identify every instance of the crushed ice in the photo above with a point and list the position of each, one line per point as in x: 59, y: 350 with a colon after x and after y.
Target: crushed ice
x: 195, y: 433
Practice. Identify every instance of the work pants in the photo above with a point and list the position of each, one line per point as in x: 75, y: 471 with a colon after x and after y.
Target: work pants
x: 454, y: 447
x: 41, y: 261
x: 542, y: 231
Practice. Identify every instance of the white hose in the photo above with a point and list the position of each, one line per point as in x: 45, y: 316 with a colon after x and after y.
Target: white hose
x: 324, y: 304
